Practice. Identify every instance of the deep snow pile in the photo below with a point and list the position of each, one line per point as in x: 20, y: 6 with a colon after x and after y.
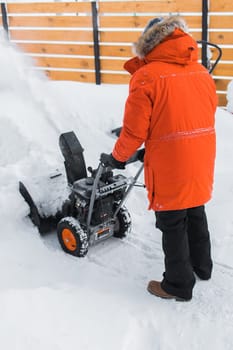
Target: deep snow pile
x: 50, y: 300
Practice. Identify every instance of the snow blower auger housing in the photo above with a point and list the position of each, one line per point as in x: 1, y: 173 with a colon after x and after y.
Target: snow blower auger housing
x: 94, y: 209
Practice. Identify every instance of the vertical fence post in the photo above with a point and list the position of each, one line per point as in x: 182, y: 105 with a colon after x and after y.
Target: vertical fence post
x: 4, y: 18
x: 96, y: 42
x: 204, y: 57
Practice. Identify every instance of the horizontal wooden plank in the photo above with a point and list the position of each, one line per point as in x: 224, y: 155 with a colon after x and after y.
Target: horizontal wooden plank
x: 78, y: 63
x: 80, y: 49
x: 140, y: 21
x: 129, y: 37
x: 116, y: 50
x: 222, y: 100
x: 57, y: 49
x: 49, y: 7
x: 152, y: 7
x: 222, y: 38
x: 222, y: 22
x: 112, y: 64
x: 224, y: 70
x: 119, y: 36
x: 83, y: 77
x: 65, y: 62
x: 50, y: 21
x: 222, y: 84
x: 51, y: 35
x: 227, y: 54
x: 221, y: 6
x: 123, y: 21
x: 109, y: 78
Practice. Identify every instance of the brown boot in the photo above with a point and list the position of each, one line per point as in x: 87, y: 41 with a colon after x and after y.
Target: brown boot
x: 154, y: 287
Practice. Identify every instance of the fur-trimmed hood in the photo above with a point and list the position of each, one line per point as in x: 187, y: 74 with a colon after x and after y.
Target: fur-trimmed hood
x: 156, y: 33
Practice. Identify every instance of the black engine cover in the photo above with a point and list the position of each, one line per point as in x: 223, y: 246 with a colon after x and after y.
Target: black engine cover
x: 103, y: 210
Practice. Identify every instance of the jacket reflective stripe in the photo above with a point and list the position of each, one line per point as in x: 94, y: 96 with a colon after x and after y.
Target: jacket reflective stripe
x: 184, y: 134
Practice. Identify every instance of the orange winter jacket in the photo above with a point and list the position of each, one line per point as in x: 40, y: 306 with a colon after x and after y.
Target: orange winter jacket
x: 171, y: 108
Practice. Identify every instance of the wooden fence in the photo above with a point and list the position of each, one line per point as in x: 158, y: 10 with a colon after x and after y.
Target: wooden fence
x: 90, y: 41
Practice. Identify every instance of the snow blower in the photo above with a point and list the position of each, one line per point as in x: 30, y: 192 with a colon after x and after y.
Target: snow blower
x: 94, y: 209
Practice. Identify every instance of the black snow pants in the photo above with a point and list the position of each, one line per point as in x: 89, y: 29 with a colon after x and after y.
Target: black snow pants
x: 186, y: 246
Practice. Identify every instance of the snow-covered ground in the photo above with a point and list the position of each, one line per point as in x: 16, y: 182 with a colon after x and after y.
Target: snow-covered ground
x: 50, y: 300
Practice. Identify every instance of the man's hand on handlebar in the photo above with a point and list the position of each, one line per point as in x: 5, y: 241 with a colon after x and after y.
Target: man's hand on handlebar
x: 109, y: 160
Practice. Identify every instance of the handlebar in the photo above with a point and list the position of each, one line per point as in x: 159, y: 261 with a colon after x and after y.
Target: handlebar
x: 207, y: 43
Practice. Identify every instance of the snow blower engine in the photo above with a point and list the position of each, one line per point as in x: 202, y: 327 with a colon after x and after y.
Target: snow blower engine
x: 94, y: 209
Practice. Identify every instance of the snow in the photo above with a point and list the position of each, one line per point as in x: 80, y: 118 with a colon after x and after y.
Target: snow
x: 230, y: 97
x: 50, y: 300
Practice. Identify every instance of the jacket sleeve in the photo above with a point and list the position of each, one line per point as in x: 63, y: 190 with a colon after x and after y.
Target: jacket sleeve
x: 137, y: 115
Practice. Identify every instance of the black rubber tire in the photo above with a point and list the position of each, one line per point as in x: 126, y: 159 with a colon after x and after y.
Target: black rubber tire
x: 78, y: 245
x: 123, y: 223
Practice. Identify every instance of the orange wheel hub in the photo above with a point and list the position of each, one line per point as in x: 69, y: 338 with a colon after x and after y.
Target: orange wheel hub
x: 69, y: 239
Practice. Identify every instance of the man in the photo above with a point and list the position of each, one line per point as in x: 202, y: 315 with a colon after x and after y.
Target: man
x: 171, y: 108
